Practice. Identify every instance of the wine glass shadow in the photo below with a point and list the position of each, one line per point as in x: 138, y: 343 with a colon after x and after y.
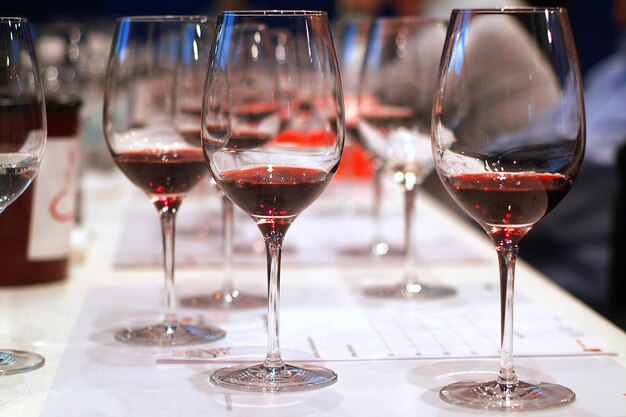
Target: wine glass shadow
x: 295, y: 404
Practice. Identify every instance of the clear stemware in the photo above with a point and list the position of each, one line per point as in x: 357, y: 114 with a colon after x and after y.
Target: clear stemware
x: 142, y: 91
x: 508, y: 142
x: 22, y: 139
x: 351, y: 37
x: 265, y: 165
x: 395, y: 103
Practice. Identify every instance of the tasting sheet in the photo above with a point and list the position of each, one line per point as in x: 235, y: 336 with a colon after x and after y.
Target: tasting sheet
x: 331, y: 324
x: 391, y: 357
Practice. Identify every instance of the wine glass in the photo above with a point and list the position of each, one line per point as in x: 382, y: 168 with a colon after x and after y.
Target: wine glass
x: 395, y: 104
x: 22, y: 139
x: 508, y: 141
x: 188, y: 114
x: 351, y: 37
x: 270, y: 170
x: 139, y: 111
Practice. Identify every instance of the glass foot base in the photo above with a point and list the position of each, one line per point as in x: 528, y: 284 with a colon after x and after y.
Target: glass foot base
x: 409, y: 292
x: 285, y: 379
x: 493, y: 396
x: 18, y: 361
x: 163, y: 335
x: 225, y: 300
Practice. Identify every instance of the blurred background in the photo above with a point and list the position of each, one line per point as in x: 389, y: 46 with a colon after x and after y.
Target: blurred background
x: 73, y: 38
x: 593, y: 24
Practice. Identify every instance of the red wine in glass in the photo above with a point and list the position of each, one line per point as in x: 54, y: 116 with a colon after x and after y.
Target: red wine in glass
x: 269, y: 191
x: 191, y: 110
x: 191, y: 135
x: 511, y: 199
x: 239, y: 139
x: 163, y: 172
x: 387, y: 118
x: 254, y: 112
x: 247, y: 139
x: 167, y: 174
x: 278, y: 193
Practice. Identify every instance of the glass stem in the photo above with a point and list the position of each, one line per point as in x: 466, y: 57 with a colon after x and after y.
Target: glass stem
x: 227, y: 236
x: 410, y: 256
x: 507, y: 246
x: 168, y: 229
x: 273, y: 244
x: 376, y: 204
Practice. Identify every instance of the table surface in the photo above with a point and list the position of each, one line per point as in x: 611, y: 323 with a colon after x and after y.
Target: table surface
x: 44, y: 318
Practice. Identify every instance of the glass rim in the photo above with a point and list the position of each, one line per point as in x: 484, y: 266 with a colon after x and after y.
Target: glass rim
x: 13, y: 18
x: 510, y: 10
x: 165, y: 18
x: 274, y: 13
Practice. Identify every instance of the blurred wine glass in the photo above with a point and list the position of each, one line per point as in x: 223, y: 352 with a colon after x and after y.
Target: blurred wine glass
x: 270, y: 168
x: 351, y: 38
x: 395, y: 103
x: 508, y: 142
x: 150, y: 146
x: 188, y: 121
x: 22, y: 139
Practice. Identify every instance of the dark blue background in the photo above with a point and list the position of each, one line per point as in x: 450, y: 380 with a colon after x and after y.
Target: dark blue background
x: 594, y: 30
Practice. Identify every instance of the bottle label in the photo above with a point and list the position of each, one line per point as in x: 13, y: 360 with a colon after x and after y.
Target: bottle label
x: 54, y: 200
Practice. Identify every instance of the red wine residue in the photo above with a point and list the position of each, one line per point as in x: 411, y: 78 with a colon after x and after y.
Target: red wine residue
x: 274, y: 191
x: 163, y: 172
x: 508, y: 199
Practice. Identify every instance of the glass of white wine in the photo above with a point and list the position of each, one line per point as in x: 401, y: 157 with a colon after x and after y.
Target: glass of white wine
x: 22, y: 138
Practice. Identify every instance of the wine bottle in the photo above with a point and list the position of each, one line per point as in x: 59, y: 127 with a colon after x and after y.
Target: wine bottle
x: 35, y: 230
